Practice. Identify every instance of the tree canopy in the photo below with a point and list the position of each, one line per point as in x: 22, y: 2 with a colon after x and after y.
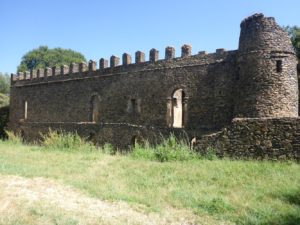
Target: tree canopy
x: 43, y: 57
x: 4, y: 83
x: 294, y: 33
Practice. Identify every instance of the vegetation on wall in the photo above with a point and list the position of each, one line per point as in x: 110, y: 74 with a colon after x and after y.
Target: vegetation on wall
x: 43, y: 57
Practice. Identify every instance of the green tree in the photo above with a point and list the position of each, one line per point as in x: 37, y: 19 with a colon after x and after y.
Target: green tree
x: 294, y: 33
x: 4, y: 83
x: 43, y: 57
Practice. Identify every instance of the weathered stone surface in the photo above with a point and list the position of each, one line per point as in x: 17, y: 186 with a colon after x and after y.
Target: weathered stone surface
x: 259, y: 138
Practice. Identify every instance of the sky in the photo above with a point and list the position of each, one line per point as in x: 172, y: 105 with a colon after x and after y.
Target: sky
x: 101, y: 28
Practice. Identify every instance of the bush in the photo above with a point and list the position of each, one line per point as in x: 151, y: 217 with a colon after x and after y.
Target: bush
x: 13, y: 138
x: 170, y: 149
x: 4, y: 113
x: 65, y: 141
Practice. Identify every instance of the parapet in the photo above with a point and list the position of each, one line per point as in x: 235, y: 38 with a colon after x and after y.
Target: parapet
x: 85, y: 69
x: 260, y: 33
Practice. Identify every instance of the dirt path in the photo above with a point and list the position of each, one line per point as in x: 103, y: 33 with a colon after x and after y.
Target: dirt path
x: 32, y: 191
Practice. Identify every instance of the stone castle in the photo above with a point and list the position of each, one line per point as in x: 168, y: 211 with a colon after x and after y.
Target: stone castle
x: 243, y: 103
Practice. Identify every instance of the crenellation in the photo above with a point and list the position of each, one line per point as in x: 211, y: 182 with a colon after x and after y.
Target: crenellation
x: 114, y: 61
x: 169, y: 53
x: 82, y: 67
x: 33, y: 74
x: 20, y: 76
x: 202, y: 53
x: 154, y: 55
x: 47, y: 72
x: 220, y: 51
x: 39, y: 73
x: 92, y: 65
x: 186, y: 50
x: 27, y: 75
x: 13, y: 77
x: 64, y: 69
x: 73, y: 68
x: 103, y: 63
x: 126, y: 58
x: 54, y: 71
x: 139, y: 57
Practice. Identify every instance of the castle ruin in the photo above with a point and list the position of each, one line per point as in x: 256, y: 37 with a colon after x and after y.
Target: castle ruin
x: 243, y: 103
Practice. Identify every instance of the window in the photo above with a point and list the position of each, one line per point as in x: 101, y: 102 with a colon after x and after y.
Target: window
x: 177, y: 109
x: 278, y: 66
x: 95, y: 109
x: 25, y: 110
x: 134, y: 106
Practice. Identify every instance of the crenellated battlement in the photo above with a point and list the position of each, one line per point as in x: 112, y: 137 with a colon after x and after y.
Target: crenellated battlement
x: 114, y: 62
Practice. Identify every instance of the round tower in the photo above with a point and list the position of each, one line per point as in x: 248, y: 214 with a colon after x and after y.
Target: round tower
x: 267, y: 84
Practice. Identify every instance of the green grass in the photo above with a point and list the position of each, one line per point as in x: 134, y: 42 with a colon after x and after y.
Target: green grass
x: 241, y: 192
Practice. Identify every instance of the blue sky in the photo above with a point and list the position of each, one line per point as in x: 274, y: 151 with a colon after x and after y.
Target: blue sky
x: 104, y: 28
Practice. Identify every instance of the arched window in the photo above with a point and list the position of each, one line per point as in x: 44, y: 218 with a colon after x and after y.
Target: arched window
x: 177, y: 109
x: 95, y: 109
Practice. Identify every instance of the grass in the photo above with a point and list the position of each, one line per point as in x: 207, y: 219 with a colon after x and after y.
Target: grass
x: 241, y: 192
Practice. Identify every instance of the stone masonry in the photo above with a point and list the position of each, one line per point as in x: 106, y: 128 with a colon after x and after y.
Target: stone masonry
x: 225, y: 100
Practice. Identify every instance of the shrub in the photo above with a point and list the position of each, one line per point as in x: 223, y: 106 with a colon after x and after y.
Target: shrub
x: 210, y: 153
x: 65, y: 141
x: 13, y: 138
x: 170, y: 149
x: 4, y: 112
x: 107, y: 148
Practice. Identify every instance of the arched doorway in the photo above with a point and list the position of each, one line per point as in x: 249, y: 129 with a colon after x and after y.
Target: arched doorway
x: 178, y: 108
x: 95, y: 109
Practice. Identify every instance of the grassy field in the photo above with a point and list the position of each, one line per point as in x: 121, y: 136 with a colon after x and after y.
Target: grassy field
x: 199, y: 190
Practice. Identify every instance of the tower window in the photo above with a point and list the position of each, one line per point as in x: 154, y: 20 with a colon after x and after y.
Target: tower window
x: 134, y: 106
x: 278, y: 66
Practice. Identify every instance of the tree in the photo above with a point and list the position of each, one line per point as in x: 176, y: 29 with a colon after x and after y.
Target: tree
x: 43, y: 57
x: 294, y: 33
x: 4, y: 83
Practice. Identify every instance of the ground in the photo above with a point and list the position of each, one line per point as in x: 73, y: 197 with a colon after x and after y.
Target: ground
x: 45, y: 186
x: 23, y: 199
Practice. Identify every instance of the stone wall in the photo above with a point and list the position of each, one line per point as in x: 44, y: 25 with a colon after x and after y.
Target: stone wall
x: 139, y: 93
x: 263, y: 138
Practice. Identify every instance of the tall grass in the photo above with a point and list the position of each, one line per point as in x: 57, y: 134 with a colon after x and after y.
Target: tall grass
x: 170, y: 149
x: 65, y: 141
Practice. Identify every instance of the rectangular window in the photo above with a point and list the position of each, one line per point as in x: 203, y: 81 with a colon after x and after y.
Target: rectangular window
x: 278, y: 66
x: 133, y: 105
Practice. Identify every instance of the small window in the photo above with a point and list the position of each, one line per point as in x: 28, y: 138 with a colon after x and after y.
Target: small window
x: 95, y: 109
x: 278, y: 66
x: 25, y: 110
x: 134, y: 106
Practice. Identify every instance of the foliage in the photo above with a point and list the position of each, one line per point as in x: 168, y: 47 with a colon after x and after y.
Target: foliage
x: 294, y: 33
x: 65, y: 141
x: 213, y: 192
x: 4, y: 100
x: 170, y: 149
x: 14, y: 139
x: 4, y: 83
x: 43, y: 57
x: 4, y: 113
